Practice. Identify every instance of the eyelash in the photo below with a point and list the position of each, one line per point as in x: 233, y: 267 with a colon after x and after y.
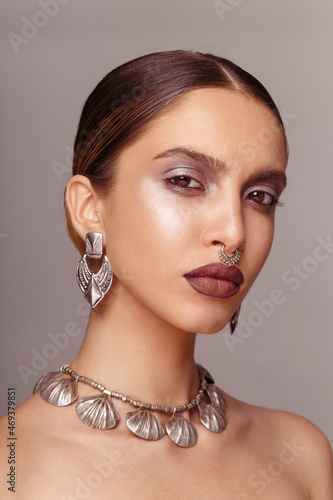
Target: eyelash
x: 186, y: 177
x: 275, y: 201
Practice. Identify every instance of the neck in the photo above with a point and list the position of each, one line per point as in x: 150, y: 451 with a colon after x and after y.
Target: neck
x: 130, y: 350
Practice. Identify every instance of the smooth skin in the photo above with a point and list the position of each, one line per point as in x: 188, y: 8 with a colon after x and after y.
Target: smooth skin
x: 184, y: 187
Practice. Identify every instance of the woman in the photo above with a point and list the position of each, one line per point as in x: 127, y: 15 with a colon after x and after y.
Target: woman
x: 165, y: 194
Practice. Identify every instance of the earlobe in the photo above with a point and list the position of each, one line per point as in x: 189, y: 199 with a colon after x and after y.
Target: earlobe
x: 81, y: 201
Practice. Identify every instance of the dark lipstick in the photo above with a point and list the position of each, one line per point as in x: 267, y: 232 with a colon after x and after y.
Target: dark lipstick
x: 215, y: 280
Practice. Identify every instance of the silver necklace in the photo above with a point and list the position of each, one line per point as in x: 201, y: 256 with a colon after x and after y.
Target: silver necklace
x: 100, y: 413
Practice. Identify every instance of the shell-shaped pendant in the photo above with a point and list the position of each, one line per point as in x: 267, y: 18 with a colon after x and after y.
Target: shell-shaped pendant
x: 60, y: 392
x: 145, y: 425
x: 216, y: 396
x: 181, y: 431
x: 211, y: 417
x: 206, y: 374
x: 44, y: 380
x: 97, y: 412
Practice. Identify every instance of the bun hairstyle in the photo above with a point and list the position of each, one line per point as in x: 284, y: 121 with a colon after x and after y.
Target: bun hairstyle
x: 128, y: 98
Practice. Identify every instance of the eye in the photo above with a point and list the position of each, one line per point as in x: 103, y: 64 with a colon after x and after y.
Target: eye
x: 263, y: 198
x: 185, y: 181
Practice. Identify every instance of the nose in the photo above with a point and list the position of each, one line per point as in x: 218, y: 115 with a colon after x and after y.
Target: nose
x: 225, y: 225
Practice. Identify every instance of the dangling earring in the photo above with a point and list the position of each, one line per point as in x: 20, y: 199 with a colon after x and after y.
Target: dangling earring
x: 234, y: 320
x: 94, y: 286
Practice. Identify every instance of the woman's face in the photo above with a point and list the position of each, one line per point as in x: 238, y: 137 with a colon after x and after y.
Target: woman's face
x: 206, y: 173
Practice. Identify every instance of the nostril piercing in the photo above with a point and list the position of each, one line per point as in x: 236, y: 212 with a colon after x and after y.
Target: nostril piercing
x: 229, y: 260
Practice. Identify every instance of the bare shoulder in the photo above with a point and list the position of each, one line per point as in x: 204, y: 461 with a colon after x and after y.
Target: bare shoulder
x: 291, y: 438
x: 38, y: 429
x: 12, y: 429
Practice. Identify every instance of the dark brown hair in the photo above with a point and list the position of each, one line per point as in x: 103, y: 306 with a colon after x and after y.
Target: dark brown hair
x: 126, y: 100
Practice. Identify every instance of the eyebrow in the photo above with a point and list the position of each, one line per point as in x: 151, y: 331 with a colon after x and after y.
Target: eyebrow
x: 196, y: 156
x: 262, y: 175
x: 268, y: 175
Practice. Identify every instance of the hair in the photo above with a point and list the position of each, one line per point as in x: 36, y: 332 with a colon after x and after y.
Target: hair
x: 128, y: 98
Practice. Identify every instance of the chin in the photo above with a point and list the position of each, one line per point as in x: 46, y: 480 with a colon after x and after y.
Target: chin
x: 203, y: 320
x: 210, y: 330
x: 208, y: 327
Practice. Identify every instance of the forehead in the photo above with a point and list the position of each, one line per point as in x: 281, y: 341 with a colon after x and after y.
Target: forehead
x: 222, y: 123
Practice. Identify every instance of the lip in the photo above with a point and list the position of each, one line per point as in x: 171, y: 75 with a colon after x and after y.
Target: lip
x: 215, y: 280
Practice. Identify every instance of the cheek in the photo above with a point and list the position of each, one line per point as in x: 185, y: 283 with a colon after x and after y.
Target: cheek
x: 147, y: 228
x: 168, y: 215
x: 259, y: 240
x: 164, y: 220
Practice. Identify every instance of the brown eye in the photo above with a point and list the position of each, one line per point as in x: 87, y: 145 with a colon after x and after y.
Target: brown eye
x: 261, y: 197
x: 182, y: 181
x: 185, y: 181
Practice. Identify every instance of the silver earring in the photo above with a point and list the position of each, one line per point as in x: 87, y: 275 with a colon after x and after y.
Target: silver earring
x: 94, y: 286
x: 234, y: 320
x: 229, y: 260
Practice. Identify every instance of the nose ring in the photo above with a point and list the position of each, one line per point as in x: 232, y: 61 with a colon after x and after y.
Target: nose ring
x: 229, y: 260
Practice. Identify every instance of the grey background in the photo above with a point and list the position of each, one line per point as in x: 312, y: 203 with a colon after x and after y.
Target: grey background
x: 285, y: 361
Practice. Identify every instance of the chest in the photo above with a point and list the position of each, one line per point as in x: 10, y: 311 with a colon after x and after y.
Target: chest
x: 149, y: 474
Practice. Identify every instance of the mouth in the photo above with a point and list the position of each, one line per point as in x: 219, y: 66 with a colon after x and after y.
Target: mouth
x: 215, y: 280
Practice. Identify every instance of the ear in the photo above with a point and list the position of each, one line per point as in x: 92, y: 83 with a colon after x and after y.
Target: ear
x: 82, y: 201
